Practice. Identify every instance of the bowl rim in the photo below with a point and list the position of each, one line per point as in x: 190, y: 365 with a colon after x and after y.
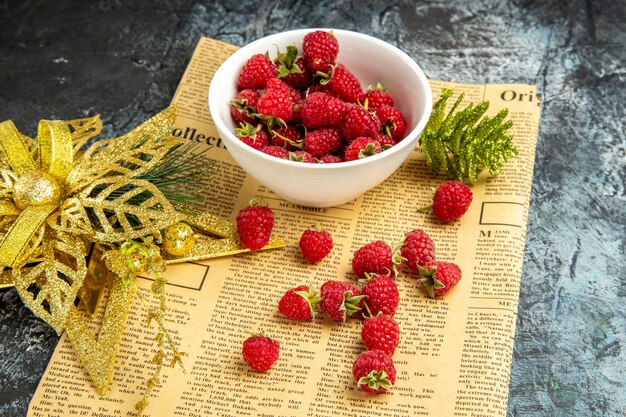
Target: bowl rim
x: 213, y: 103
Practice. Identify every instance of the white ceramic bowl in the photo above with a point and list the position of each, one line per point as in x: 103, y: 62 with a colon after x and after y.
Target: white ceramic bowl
x: 371, y: 60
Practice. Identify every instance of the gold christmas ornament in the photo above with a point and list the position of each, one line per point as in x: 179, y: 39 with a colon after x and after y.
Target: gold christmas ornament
x: 178, y: 239
x: 103, y: 202
x: 36, y: 188
x: 59, y: 197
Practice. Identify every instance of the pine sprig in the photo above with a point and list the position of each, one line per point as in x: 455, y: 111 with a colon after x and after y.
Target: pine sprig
x: 181, y: 173
x: 461, y: 144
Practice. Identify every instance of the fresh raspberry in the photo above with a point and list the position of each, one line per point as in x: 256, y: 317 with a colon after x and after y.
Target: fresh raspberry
x: 330, y: 159
x: 315, y: 244
x: 417, y: 250
x: 288, y: 137
x: 376, y: 97
x: 438, y: 277
x: 254, y: 136
x: 382, y: 295
x: 322, y: 110
x: 358, y: 122
x: 276, y: 101
x: 374, y: 371
x: 255, y: 73
x: 260, y: 352
x: 452, y: 199
x: 392, y: 122
x: 254, y: 225
x: 303, y: 80
x: 322, y: 142
x: 276, y: 151
x: 292, y: 69
x: 302, y: 156
x: 340, y: 300
x: 361, y: 148
x: 299, y: 303
x: 374, y: 258
x: 381, y: 333
x: 385, y: 141
x: 344, y: 85
x: 320, y: 50
x: 243, y: 106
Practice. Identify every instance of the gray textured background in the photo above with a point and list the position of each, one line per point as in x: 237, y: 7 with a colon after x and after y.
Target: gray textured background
x: 64, y: 59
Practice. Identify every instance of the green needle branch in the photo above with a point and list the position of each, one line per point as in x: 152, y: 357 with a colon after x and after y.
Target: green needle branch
x: 461, y: 146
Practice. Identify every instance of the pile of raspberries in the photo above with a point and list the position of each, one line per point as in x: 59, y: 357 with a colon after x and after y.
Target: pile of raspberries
x: 310, y: 108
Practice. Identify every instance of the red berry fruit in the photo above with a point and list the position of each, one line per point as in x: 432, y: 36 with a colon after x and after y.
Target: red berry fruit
x: 299, y: 303
x: 322, y: 142
x: 254, y: 136
x: 254, y: 226
x: 288, y: 137
x: 344, y: 85
x: 358, y: 122
x: 381, y: 333
x: 393, y: 123
x: 374, y: 258
x: 315, y: 244
x: 243, y: 106
x: 292, y: 69
x: 276, y: 151
x: 376, y: 97
x: 330, y: 159
x: 417, y: 250
x: 302, y: 156
x: 385, y: 141
x: 360, y: 148
x: 322, y: 110
x: 260, y: 352
x: 320, y: 50
x: 374, y: 371
x: 438, y: 277
x: 255, y: 73
x: 452, y: 199
x: 340, y: 300
x: 382, y: 295
x: 276, y: 101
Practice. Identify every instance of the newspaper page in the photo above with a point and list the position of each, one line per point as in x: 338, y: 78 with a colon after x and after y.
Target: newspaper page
x: 454, y: 357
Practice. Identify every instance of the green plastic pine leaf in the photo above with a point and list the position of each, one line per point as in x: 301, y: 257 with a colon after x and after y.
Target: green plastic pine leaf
x: 461, y: 144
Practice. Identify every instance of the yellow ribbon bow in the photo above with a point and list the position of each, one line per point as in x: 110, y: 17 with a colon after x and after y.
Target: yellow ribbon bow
x: 48, y: 266
x: 57, y: 197
x: 38, y: 186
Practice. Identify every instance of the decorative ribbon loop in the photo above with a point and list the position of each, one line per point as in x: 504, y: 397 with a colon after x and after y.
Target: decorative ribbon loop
x: 15, y: 149
x: 55, y: 148
x: 21, y: 232
x: 57, y: 154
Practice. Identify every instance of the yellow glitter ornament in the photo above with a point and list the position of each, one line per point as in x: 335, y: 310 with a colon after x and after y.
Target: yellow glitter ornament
x: 36, y: 188
x: 64, y: 199
x: 59, y: 196
x: 178, y: 239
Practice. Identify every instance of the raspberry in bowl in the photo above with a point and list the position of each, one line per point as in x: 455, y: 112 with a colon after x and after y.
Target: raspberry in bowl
x: 374, y: 153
